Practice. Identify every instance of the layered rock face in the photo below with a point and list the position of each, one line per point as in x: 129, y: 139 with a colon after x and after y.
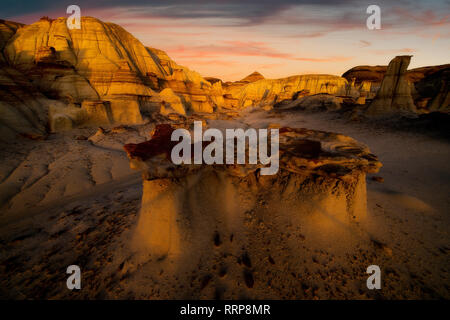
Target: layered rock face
x: 100, y: 61
x: 269, y: 92
x: 394, y: 95
x: 255, y: 90
x: 321, y: 176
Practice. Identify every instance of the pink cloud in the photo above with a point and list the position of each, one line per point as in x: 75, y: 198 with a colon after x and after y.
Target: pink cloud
x: 240, y: 48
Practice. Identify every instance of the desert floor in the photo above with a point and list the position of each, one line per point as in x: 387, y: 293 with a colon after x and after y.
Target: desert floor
x: 67, y: 200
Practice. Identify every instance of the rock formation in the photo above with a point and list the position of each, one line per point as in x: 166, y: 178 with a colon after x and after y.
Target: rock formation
x: 367, y: 80
x: 268, y: 92
x: 321, y: 176
x: 100, y: 61
x: 394, y: 95
x: 55, y: 78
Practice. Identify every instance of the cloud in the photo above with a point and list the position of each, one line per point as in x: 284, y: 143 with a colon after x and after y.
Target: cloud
x: 241, y: 48
x: 249, y: 10
x: 394, y: 51
x: 364, y: 43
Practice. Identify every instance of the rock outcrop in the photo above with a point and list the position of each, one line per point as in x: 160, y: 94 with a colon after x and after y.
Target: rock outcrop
x: 321, y: 176
x: 394, y: 95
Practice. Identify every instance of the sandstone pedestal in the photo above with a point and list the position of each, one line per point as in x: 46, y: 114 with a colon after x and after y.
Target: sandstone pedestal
x: 320, y: 187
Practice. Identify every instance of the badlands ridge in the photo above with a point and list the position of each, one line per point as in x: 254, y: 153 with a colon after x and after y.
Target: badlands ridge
x: 53, y: 79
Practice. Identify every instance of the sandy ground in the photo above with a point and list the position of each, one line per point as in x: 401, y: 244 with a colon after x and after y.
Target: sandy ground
x: 68, y: 201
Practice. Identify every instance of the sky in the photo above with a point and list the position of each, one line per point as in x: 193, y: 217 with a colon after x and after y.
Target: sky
x: 230, y: 39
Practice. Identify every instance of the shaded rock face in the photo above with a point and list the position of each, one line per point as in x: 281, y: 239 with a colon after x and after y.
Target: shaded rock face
x: 321, y: 177
x: 317, y: 102
x: 394, y: 95
x: 23, y: 109
x: 433, y: 91
x: 7, y: 30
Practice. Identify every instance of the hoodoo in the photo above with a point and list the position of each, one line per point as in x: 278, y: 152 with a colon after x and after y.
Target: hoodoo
x: 321, y: 175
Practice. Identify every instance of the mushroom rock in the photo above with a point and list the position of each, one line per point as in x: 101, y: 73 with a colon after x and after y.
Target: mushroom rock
x: 321, y: 183
x: 394, y: 95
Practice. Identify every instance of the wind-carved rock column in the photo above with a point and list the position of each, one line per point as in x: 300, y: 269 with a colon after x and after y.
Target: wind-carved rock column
x: 320, y: 187
x: 394, y: 94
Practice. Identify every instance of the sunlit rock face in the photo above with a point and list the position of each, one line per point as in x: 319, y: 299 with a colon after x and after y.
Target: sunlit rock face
x: 100, y: 61
x: 269, y: 92
x: 255, y: 90
x: 320, y: 182
x: 394, y: 95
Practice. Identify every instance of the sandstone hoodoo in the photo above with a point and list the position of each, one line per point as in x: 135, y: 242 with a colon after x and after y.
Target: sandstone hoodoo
x: 394, y: 95
x: 429, y: 85
x: 322, y: 176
